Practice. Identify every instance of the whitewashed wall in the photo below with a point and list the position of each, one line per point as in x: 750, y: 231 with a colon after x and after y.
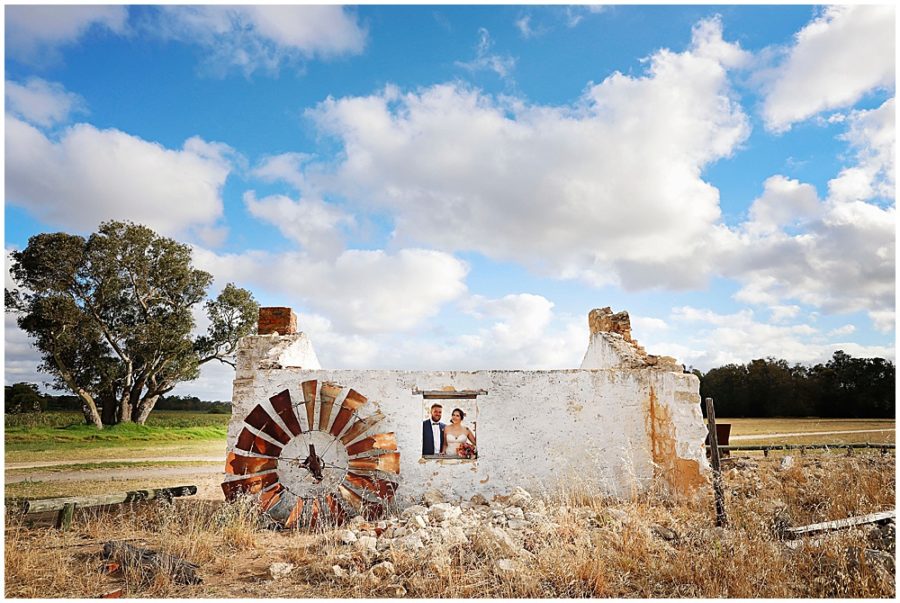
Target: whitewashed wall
x: 619, y: 429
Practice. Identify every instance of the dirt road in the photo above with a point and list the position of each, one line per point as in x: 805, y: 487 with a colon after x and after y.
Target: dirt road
x: 768, y: 436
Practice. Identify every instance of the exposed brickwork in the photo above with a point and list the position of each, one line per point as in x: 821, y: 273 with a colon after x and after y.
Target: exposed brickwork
x: 277, y: 320
x: 602, y: 320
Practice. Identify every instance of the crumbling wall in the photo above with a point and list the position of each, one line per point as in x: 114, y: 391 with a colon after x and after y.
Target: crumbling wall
x: 622, y: 423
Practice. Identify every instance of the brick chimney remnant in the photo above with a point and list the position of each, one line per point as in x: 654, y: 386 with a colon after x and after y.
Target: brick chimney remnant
x: 282, y: 321
x: 602, y: 320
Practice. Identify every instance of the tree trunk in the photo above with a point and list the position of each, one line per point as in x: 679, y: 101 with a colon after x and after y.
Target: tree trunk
x: 125, y: 410
x: 142, y: 409
x: 110, y: 406
x: 89, y: 408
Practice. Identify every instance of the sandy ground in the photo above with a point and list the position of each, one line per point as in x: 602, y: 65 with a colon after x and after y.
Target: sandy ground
x: 115, y: 474
x: 767, y: 436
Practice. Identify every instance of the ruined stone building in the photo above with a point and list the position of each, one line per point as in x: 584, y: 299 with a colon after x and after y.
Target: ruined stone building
x: 308, y: 439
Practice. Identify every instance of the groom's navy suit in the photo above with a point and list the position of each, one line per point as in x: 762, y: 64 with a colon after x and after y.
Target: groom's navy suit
x: 428, y: 438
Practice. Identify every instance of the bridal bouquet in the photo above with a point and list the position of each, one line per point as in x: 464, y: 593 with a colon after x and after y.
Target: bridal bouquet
x: 466, y: 451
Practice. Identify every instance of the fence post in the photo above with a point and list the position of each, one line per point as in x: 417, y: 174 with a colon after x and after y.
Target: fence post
x: 721, y: 517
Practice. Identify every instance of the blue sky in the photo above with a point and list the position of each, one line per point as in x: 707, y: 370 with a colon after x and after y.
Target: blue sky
x: 455, y: 187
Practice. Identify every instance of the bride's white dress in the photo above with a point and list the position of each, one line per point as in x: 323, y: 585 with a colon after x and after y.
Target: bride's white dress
x: 453, y: 441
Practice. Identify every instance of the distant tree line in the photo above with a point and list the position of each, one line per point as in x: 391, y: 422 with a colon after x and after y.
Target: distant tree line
x: 26, y: 397
x: 843, y: 387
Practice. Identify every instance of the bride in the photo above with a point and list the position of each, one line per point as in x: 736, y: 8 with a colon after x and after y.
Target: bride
x: 455, y: 434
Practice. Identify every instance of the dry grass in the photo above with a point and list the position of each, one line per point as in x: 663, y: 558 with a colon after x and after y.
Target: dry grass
x: 590, y: 547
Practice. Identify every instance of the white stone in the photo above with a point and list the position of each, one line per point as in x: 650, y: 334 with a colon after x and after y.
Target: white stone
x: 385, y: 569
x: 507, y: 565
x: 339, y: 572
x: 411, y: 542
x: 433, y: 496
x: 514, y: 513
x: 418, y: 522
x: 413, y: 510
x: 517, y: 524
x: 787, y: 462
x: 280, y: 570
x: 369, y: 543
x: 444, y: 512
x: 347, y: 537
x: 519, y: 498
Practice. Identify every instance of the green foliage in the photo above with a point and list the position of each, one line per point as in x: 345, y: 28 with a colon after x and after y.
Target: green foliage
x: 843, y: 387
x: 112, y: 316
x: 23, y: 398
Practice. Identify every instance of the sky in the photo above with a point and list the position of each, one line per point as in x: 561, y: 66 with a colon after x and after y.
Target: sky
x: 456, y: 187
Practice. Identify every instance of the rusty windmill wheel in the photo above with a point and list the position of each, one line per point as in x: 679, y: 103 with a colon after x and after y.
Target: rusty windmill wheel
x: 314, y: 462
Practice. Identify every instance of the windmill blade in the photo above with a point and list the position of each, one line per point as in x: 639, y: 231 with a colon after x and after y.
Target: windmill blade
x: 248, y: 485
x: 269, y: 498
x: 236, y: 464
x: 389, y: 462
x: 249, y: 441
x: 314, y: 514
x: 327, y: 394
x: 352, y: 402
x: 362, y: 426
x: 261, y: 420
x: 296, y: 512
x: 282, y: 405
x: 379, y: 441
x: 335, y: 509
x: 382, y: 488
x: 309, y: 399
x: 353, y: 499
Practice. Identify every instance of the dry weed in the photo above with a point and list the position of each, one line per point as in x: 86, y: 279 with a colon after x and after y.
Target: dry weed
x: 589, y: 546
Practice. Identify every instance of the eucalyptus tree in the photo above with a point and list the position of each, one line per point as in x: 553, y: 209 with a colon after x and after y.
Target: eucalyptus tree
x: 112, y: 316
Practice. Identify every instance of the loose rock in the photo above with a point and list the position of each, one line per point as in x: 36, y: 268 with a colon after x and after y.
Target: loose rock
x: 280, y: 570
x: 384, y: 569
x: 347, y: 537
x: 433, y: 497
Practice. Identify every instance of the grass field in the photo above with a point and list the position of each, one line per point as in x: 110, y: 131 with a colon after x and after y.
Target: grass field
x: 771, y: 426
x: 59, y: 434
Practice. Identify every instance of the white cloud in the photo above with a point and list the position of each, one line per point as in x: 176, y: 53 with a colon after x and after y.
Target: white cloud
x: 41, y: 102
x: 523, y: 24
x: 367, y: 291
x: 872, y: 136
x: 286, y: 167
x: 35, y: 33
x: 87, y: 175
x: 783, y: 313
x: 608, y: 190
x: 843, y: 330
x: 835, y: 60
x: 486, y: 61
x: 740, y: 338
x: 784, y: 202
x: 251, y: 38
x: 843, y: 260
x: 312, y: 223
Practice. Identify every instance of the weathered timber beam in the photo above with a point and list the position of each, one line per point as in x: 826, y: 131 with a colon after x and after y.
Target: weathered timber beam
x: 58, y: 504
x: 841, y: 523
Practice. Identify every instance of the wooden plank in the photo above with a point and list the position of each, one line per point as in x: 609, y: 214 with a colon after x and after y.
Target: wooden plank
x: 842, y: 523
x: 718, y: 491
x: 58, y: 504
x: 439, y: 394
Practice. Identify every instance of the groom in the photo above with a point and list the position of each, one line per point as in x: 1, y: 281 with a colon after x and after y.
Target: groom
x: 433, y: 432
